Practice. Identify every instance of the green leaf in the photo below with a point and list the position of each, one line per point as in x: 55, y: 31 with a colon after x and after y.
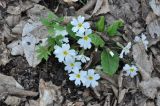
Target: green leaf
x: 58, y: 40
x: 45, y: 22
x: 52, y: 16
x: 97, y: 40
x: 100, y: 25
x: 58, y: 27
x: 109, y: 64
x: 43, y: 52
x: 71, y: 33
x: 112, y: 30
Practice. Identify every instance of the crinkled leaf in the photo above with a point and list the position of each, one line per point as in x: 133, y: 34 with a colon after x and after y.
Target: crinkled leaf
x: 112, y: 30
x: 43, y: 52
x: 109, y: 64
x: 100, y: 25
x: 97, y: 40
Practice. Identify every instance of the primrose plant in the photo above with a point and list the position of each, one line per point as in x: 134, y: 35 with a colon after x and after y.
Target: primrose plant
x: 73, y: 43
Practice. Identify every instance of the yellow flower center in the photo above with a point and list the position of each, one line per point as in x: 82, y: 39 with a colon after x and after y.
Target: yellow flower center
x: 65, y: 53
x: 72, y: 64
x: 132, y: 70
x: 78, y: 76
x: 80, y: 25
x: 85, y: 37
x: 90, y: 78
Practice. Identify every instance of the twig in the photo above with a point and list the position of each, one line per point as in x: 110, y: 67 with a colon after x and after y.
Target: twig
x: 16, y: 91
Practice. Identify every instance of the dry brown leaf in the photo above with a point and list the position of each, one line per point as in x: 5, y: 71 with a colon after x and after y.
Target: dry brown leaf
x: 89, y: 5
x: 121, y: 95
x: 15, y: 10
x: 18, y: 29
x: 13, y: 20
x: 9, y: 80
x: 6, y: 33
x: 22, y: 6
x: 49, y: 93
x: 3, y: 3
x: 143, y: 61
x: 4, y: 53
x: 33, y: 33
x: 149, y: 87
x: 10, y: 86
x: 104, y: 8
x: 98, y: 6
x: 150, y: 103
x: 16, y: 48
x: 12, y: 101
x: 154, y: 28
x: 37, y: 12
x: 155, y: 5
x: 32, y: 103
x: 158, y: 99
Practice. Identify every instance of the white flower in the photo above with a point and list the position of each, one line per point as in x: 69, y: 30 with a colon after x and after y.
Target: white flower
x: 91, y: 78
x: 79, y: 26
x: 64, y: 53
x: 125, y: 50
x: 130, y: 70
x: 71, y: 65
x: 78, y: 77
x: 85, y: 40
x: 63, y: 33
x: 142, y: 39
x: 83, y: 58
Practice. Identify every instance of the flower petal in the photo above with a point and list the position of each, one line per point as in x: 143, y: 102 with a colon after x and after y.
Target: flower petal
x: 74, y: 22
x: 80, y: 19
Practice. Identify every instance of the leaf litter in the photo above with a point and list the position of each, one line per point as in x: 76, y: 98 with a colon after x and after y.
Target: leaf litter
x: 21, y: 40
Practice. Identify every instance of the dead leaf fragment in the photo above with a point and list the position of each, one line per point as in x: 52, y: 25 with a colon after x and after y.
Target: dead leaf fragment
x: 12, y: 101
x: 16, y: 48
x: 32, y: 103
x: 9, y: 80
x: 33, y: 33
x: 37, y: 12
x: 49, y: 93
x: 70, y: 1
x: 154, y: 27
x: 158, y: 99
x: 155, y: 5
x: 4, y: 53
x: 10, y: 86
x: 143, y: 61
x: 18, y: 29
x: 6, y: 33
x: 97, y: 7
x: 121, y: 95
x: 104, y: 8
x: 149, y: 87
x: 13, y: 20
x: 15, y: 10
x: 3, y: 3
